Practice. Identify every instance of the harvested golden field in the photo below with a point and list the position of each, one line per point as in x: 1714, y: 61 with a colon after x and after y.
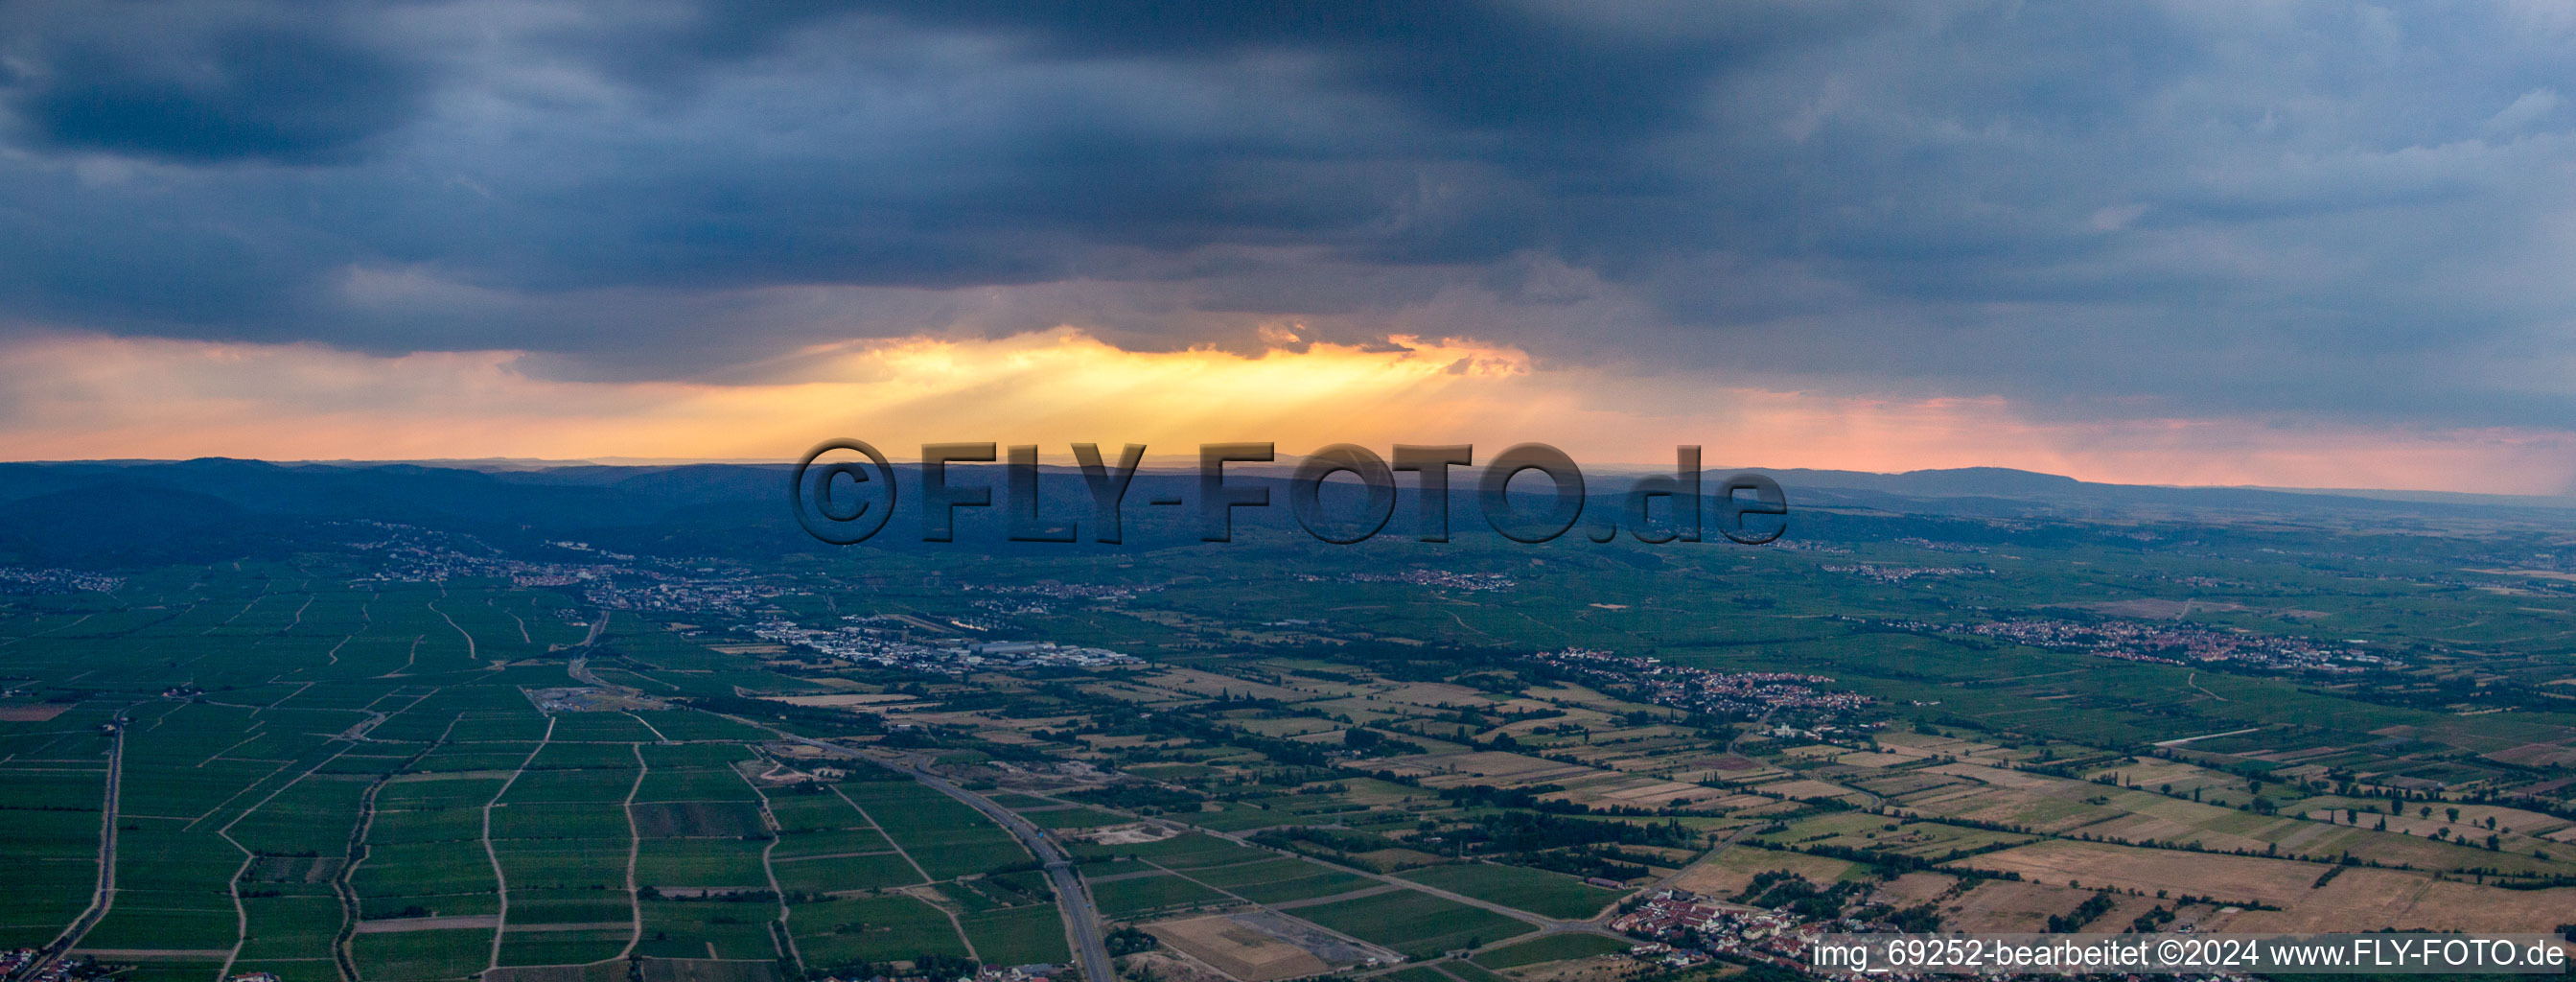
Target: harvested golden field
x: 1915, y: 888
x: 2537, y: 755
x: 1131, y: 693
x: 1618, y: 758
x: 1436, y: 694
x: 1586, y: 696
x: 2040, y: 803
x: 1526, y: 729
x: 1209, y: 685
x: 2003, y: 777
x: 884, y: 699
x: 2003, y: 905
x: 1642, y: 793
x: 1731, y: 871
x: 2392, y: 849
x: 1742, y: 801
x: 1892, y: 784
x: 1863, y: 758
x: 1489, y: 766
x: 1292, y: 726
x: 2371, y: 899
x: 1938, y: 746
x: 1806, y: 789
x: 2279, y: 882
x: 2124, y: 909
x: 2155, y: 774
x: 2156, y: 828
x: 2370, y: 812
x: 1122, y: 742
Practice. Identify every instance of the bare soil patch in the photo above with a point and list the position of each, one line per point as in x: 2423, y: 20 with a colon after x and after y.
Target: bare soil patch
x: 1135, y: 833
x: 1237, y: 949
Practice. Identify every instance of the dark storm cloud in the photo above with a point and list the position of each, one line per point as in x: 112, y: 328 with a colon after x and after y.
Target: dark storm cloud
x: 1478, y: 67
x: 203, y: 83
x: 2098, y: 208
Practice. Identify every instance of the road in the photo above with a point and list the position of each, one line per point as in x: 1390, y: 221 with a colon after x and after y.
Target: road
x: 1545, y: 925
x: 1079, y: 916
x: 1081, y: 919
x: 1740, y: 833
x: 579, y: 669
x: 105, y: 896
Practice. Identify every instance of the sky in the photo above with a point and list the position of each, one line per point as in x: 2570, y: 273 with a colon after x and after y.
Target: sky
x: 2284, y: 244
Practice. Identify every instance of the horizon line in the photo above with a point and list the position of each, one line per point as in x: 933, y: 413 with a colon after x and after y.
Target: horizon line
x: 1184, y: 463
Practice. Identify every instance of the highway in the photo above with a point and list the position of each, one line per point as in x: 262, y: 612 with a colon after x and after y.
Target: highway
x: 579, y: 668
x: 1081, y: 919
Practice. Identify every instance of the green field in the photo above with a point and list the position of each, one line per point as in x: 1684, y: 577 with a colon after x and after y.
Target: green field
x: 347, y: 742
x: 1416, y: 924
x: 1131, y: 897
x: 460, y: 781
x: 1554, y: 947
x: 1547, y: 894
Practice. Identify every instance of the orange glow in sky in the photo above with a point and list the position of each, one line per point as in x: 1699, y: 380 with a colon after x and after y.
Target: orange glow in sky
x: 83, y: 396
